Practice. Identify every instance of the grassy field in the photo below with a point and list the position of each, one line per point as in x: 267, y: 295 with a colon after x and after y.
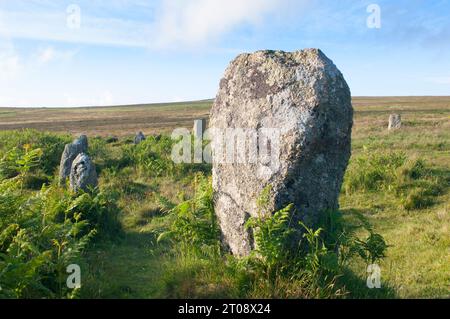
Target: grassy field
x: 398, y: 184
x: 106, y: 121
x: 418, y: 261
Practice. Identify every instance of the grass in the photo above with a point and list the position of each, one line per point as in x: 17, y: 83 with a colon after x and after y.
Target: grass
x: 417, y: 226
x: 397, y: 184
x: 106, y: 121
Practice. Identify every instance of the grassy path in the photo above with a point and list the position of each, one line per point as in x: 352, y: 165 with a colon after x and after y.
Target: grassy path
x: 126, y: 269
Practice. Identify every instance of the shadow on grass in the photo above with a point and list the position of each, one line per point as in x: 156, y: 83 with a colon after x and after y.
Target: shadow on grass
x: 359, y: 290
x: 356, y: 284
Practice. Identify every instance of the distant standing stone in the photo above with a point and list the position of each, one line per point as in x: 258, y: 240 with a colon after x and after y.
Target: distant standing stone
x: 395, y: 121
x: 71, y: 151
x: 82, y: 173
x: 199, y: 128
x: 140, y: 137
x: 302, y: 98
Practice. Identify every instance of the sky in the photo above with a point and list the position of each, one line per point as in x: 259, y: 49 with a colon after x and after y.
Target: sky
x: 115, y: 52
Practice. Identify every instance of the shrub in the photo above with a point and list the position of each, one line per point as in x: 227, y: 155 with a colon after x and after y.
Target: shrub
x: 52, y: 146
x: 153, y: 157
x: 194, y: 224
x: 410, y: 180
x: 98, y: 149
x: 35, y: 180
x: 288, y: 261
x: 375, y: 171
x: 283, y: 265
x: 313, y: 261
x: 413, y: 170
x: 100, y: 210
x: 416, y: 199
x: 372, y: 249
x: 111, y: 140
x: 42, y: 233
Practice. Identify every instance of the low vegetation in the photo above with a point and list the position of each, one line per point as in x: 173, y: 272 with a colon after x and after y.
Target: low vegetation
x: 149, y: 230
x: 42, y: 232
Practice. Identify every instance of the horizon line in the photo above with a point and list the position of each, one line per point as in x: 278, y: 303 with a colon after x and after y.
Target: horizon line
x: 196, y: 101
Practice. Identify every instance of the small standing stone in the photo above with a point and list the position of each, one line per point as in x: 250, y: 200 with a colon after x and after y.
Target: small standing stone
x: 140, y: 137
x: 199, y: 128
x: 395, y: 121
x: 82, y: 173
x: 71, y: 151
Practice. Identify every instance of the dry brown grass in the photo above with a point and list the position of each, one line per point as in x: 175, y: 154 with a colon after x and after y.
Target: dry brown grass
x: 106, y: 121
x: 371, y: 114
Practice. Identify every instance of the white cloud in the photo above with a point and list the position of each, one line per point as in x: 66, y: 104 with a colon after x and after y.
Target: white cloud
x: 171, y: 23
x: 52, y: 25
x: 14, y: 65
x: 10, y: 63
x: 197, y: 21
x: 46, y: 55
x: 49, y: 54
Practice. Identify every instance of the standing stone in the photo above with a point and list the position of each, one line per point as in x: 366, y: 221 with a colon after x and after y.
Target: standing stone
x: 82, y: 173
x: 395, y: 121
x: 71, y: 151
x: 140, y: 137
x: 199, y: 128
x: 303, y: 99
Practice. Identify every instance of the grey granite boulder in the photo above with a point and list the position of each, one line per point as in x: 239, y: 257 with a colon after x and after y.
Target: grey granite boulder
x: 300, y: 107
x: 82, y: 174
x: 71, y: 151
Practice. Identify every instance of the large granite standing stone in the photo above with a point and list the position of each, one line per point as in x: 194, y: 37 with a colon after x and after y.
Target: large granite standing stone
x: 82, y: 174
x: 395, y: 121
x: 71, y: 151
x: 303, y: 98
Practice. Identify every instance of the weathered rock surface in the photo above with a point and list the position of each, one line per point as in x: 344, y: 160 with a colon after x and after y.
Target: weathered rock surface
x: 82, y: 173
x: 304, y: 97
x: 395, y: 121
x: 140, y: 137
x: 71, y: 151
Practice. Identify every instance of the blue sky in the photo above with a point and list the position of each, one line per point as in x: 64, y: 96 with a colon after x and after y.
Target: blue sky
x: 125, y: 52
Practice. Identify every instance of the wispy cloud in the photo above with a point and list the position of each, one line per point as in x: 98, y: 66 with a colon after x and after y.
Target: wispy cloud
x: 53, y: 26
x: 169, y: 23
x: 10, y: 63
x: 194, y: 22
x: 50, y: 54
